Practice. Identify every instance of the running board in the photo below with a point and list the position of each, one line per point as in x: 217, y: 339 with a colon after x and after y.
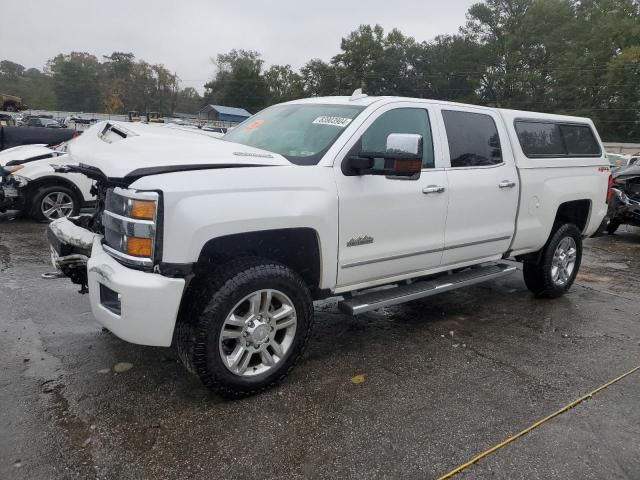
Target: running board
x: 405, y: 293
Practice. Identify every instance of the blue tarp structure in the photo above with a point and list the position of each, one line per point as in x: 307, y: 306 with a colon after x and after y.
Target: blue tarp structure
x: 224, y: 114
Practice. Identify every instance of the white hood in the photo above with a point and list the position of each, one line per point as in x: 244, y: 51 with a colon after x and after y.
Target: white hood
x: 120, y: 148
x: 23, y: 152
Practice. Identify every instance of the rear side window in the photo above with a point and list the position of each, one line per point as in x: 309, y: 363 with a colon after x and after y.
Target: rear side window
x: 540, y: 139
x: 548, y: 139
x: 579, y: 140
x: 473, y: 139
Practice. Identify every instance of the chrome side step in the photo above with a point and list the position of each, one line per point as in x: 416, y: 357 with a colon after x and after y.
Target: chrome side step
x: 405, y: 293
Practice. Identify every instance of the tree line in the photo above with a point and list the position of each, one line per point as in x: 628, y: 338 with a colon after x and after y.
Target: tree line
x: 577, y: 57
x: 80, y: 82
x: 574, y: 57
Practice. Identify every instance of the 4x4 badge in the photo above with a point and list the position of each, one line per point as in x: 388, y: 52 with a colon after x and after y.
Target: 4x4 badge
x: 355, y: 242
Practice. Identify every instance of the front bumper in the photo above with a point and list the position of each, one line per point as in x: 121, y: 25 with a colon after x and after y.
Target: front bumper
x: 10, y: 198
x: 139, y: 307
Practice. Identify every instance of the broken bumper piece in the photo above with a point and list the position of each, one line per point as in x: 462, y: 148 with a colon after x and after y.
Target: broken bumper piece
x: 10, y: 198
x: 71, y: 246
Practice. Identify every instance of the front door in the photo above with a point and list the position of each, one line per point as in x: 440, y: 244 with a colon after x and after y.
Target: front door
x: 391, y: 227
x: 483, y: 186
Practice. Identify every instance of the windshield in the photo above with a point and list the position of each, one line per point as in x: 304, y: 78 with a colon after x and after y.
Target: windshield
x: 302, y: 133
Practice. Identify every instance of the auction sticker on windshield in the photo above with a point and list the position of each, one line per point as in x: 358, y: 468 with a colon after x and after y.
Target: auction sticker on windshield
x: 333, y: 121
x: 255, y: 124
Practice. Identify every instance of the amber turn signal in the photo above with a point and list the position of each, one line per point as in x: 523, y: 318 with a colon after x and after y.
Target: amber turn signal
x: 139, y: 247
x: 408, y: 165
x: 144, y: 209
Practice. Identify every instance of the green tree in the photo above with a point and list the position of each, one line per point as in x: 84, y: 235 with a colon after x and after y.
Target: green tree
x: 621, y: 121
x: 283, y: 84
x: 320, y: 78
x: 11, y: 78
x: 188, y: 101
x: 76, y: 81
x: 39, y: 92
x: 238, y: 81
x: 359, y: 62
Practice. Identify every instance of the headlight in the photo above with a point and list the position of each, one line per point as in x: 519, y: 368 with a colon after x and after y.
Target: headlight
x: 130, y: 224
x: 21, y: 181
x: 14, y: 168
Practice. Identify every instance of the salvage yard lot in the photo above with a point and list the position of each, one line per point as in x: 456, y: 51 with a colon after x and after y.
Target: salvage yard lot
x: 444, y: 379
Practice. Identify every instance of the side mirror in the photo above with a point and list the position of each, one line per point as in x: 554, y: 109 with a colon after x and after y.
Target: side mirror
x: 401, y: 158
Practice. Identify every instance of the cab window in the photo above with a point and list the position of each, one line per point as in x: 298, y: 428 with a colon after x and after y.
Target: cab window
x: 399, y: 120
x: 473, y: 139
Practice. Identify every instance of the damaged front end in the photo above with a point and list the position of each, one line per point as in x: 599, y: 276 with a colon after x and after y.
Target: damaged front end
x: 10, y: 185
x: 71, y: 239
x: 624, y: 207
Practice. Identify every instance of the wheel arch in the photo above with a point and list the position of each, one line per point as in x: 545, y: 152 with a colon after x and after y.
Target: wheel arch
x: 297, y: 248
x: 576, y: 212
x: 50, y: 180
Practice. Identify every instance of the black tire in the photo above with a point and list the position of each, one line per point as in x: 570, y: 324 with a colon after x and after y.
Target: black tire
x: 229, y: 284
x: 538, y: 276
x: 36, y: 208
x: 613, y: 226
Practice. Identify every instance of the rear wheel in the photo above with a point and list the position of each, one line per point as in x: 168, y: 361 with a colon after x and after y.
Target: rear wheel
x: 52, y: 202
x: 559, y: 263
x: 253, y: 330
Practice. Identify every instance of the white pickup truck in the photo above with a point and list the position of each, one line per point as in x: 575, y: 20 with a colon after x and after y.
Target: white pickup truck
x: 222, y: 245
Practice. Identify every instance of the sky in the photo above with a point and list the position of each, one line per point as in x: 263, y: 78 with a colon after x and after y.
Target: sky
x: 185, y: 34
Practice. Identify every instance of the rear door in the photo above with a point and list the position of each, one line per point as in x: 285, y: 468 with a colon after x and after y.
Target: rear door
x: 483, y: 185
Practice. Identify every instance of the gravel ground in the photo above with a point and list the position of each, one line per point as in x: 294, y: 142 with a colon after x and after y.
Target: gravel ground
x: 444, y: 379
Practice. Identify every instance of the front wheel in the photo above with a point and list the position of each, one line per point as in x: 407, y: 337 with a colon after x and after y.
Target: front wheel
x: 253, y: 330
x: 558, y: 266
x: 52, y: 202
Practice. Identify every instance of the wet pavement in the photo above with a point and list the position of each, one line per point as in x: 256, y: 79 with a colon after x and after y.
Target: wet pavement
x: 444, y: 379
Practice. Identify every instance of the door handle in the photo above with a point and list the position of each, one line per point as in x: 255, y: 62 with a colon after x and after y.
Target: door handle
x: 433, y: 189
x: 507, y: 184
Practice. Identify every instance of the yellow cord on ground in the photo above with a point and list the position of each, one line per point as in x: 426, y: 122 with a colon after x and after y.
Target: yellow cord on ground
x: 568, y: 406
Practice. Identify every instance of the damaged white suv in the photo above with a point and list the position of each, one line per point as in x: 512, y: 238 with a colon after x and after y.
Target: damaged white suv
x: 222, y: 245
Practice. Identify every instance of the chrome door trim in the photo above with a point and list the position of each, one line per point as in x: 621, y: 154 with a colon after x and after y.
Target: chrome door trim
x: 423, y: 252
x: 386, y: 259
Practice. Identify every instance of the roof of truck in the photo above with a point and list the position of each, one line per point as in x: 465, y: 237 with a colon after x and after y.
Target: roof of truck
x: 365, y: 101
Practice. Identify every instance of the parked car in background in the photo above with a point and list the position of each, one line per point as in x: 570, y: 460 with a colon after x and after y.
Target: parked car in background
x: 44, y: 122
x: 29, y: 153
x: 44, y: 194
x: 17, y: 136
x: 624, y: 205
x: 78, y: 123
x: 223, y: 245
x: 38, y: 190
x: 621, y: 160
x: 220, y: 130
x: 7, y: 119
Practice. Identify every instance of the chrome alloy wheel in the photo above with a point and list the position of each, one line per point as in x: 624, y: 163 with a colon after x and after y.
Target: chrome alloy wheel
x: 564, y: 261
x: 56, y: 205
x: 258, y: 333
